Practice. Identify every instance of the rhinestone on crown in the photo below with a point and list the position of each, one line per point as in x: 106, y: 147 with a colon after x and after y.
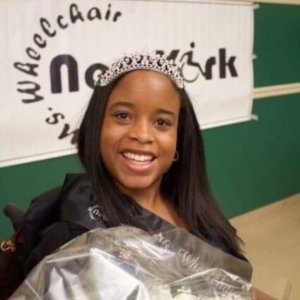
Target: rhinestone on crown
x: 158, y: 63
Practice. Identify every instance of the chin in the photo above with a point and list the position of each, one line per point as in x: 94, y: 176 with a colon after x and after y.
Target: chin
x: 137, y: 185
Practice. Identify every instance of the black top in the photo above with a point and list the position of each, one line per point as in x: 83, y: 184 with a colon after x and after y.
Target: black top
x: 72, y: 210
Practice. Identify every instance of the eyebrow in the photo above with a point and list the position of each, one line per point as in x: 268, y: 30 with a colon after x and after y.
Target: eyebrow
x: 122, y: 103
x: 164, y: 111
x: 128, y: 104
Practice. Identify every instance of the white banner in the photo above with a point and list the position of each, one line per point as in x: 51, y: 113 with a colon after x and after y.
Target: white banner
x: 52, y: 52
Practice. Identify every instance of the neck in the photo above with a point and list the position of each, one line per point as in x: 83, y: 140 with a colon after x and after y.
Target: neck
x: 147, y: 198
x: 153, y: 200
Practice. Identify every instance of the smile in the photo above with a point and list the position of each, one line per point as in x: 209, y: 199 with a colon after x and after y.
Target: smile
x: 138, y: 158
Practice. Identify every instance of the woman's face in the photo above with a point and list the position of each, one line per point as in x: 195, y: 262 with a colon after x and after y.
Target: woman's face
x: 139, y: 132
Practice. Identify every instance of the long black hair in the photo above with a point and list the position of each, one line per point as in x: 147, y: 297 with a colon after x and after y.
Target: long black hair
x: 185, y: 184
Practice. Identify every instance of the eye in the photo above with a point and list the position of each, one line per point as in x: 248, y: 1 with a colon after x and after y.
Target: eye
x: 122, y: 116
x: 163, y: 123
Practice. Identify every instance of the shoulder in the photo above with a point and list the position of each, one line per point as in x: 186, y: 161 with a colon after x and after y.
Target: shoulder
x: 44, y: 210
x: 78, y: 203
x: 217, y: 242
x: 53, y: 237
x: 228, y: 250
x: 57, y: 216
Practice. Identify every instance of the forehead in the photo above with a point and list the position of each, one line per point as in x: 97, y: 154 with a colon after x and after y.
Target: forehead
x: 145, y: 85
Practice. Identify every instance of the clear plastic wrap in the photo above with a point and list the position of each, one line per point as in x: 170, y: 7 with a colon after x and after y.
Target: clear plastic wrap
x: 128, y: 263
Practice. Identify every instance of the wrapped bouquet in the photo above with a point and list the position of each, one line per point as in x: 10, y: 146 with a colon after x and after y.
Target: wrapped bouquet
x: 129, y: 263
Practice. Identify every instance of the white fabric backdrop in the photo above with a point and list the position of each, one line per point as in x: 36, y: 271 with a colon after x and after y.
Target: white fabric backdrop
x: 42, y: 99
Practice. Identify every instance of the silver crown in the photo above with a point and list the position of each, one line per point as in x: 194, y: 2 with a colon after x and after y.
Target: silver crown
x: 158, y: 63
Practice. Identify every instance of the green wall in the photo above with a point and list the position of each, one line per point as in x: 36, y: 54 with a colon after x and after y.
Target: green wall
x: 277, y: 45
x: 250, y: 164
x: 256, y: 163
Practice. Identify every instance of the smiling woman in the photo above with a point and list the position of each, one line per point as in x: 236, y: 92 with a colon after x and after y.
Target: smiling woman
x: 141, y: 146
x: 141, y: 120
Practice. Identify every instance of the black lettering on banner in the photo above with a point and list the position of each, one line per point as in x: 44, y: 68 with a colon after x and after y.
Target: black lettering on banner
x: 226, y: 64
x: 30, y: 90
x: 191, y: 62
x: 55, y: 118
x: 55, y: 73
x: 116, y: 16
x: 39, y: 41
x: 90, y: 73
x: 65, y: 133
x: 33, y: 54
x: 75, y: 14
x: 208, y: 67
x: 26, y: 68
x: 60, y: 23
x: 172, y: 55
x: 46, y: 26
x: 94, y: 13
x: 61, y: 65
x: 107, y: 15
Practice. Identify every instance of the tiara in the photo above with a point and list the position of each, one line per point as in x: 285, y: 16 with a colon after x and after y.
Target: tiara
x: 158, y: 63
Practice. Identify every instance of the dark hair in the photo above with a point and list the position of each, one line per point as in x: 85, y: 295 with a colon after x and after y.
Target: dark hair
x: 185, y: 184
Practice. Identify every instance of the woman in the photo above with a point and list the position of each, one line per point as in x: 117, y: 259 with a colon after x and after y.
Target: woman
x: 141, y: 146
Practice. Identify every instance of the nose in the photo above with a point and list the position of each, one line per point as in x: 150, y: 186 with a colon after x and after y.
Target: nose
x: 142, y: 132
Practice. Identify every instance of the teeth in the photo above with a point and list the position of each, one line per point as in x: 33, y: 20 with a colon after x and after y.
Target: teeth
x: 138, y: 157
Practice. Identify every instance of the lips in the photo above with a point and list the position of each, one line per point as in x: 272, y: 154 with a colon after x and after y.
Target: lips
x: 137, y: 160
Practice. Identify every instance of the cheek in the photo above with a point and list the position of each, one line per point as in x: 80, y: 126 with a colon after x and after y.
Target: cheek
x: 169, y: 144
x: 110, y: 140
